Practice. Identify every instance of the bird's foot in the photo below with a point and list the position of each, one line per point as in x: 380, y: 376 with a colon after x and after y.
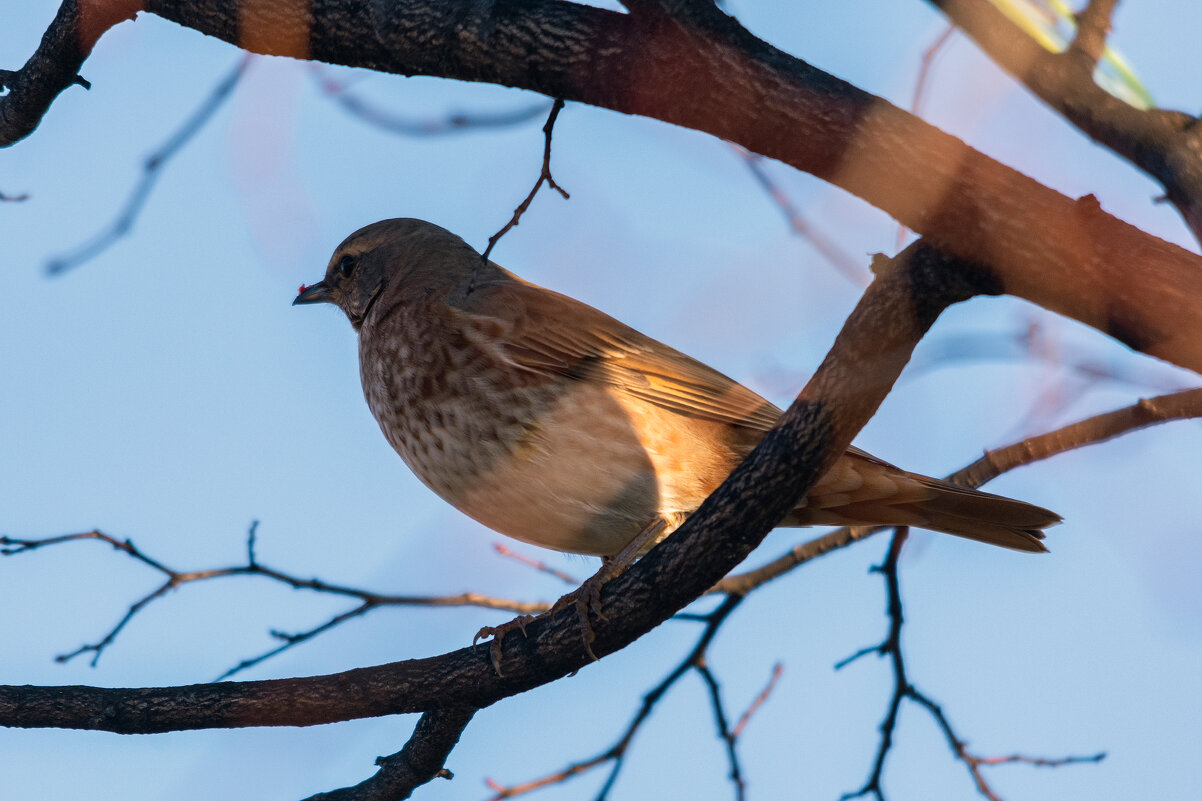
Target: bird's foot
x: 586, y: 598
x: 587, y: 601
x: 498, y: 636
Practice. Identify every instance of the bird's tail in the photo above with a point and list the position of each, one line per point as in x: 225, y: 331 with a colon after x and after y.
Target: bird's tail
x: 938, y: 505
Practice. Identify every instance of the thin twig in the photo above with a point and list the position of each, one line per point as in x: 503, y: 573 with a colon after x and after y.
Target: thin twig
x: 542, y: 567
x: 544, y: 177
x: 777, y: 670
x: 616, y: 754
x: 151, y: 170
x: 904, y: 689
x: 5, y: 198
x: 368, y: 601
x: 829, y: 249
x: 918, y: 99
x: 725, y: 733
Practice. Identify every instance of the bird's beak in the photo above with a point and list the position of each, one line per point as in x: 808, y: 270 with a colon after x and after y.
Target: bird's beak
x: 318, y: 293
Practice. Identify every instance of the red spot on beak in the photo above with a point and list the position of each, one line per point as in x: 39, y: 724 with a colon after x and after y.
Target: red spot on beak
x: 302, y: 289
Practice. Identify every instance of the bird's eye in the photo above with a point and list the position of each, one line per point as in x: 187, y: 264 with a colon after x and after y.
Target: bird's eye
x: 346, y: 265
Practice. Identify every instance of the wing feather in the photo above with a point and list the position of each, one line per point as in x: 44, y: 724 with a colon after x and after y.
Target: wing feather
x: 598, y: 347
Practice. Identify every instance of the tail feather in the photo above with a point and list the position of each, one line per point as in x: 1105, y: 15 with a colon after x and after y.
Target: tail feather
x: 945, y: 508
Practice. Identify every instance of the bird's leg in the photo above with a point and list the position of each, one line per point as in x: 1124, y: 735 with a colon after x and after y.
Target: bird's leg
x: 587, y: 598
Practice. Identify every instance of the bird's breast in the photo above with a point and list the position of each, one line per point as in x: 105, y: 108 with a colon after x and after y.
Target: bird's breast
x: 545, y: 459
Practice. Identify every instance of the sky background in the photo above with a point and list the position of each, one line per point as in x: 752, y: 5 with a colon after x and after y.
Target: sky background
x: 167, y: 392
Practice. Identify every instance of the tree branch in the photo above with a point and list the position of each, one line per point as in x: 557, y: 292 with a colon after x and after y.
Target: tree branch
x: 1099, y: 428
x: 420, y: 761
x: 1164, y: 144
x: 544, y: 177
x: 616, y: 753
x: 904, y: 689
x: 151, y: 170
x: 710, y: 74
x: 173, y: 579
x: 896, y: 310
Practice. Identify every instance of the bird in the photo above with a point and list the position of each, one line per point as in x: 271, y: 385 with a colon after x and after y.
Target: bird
x: 553, y: 423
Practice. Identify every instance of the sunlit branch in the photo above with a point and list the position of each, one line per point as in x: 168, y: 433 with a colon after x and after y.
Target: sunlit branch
x: 1099, y: 428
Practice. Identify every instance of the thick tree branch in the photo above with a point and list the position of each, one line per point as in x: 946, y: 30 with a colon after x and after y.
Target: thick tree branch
x: 712, y: 75
x: 866, y: 358
x: 1167, y: 145
x: 420, y: 761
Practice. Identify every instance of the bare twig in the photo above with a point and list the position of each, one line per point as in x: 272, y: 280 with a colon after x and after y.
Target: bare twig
x: 388, y: 120
x: 777, y: 670
x: 368, y: 601
x: 841, y: 260
x: 974, y: 763
x: 725, y: 733
x: 5, y: 198
x: 544, y: 176
x: 542, y: 567
x: 904, y: 689
x: 616, y: 754
x: 923, y: 82
x: 151, y: 170
x: 1099, y: 428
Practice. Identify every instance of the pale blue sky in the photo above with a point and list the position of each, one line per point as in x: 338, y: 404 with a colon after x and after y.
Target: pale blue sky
x: 167, y: 392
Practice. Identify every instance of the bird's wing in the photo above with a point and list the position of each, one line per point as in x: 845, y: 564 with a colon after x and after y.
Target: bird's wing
x: 545, y: 332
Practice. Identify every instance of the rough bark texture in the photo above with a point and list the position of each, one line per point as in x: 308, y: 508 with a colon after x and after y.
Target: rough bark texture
x: 702, y: 70
x: 857, y: 374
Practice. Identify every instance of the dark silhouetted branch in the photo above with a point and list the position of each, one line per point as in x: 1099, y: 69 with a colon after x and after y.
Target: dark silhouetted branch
x: 419, y: 762
x: 615, y: 755
x: 368, y: 601
x: 544, y: 177
x: 904, y: 689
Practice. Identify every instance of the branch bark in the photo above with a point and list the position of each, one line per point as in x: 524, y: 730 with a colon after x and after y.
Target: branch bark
x: 704, y: 71
x: 1167, y: 145
x: 896, y: 310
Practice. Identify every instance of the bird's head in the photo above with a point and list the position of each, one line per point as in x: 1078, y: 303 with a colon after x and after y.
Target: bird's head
x: 413, y: 255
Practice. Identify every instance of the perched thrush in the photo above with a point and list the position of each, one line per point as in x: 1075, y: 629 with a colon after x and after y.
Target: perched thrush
x: 553, y: 423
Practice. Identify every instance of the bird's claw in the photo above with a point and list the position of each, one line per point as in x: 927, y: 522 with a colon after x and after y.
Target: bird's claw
x: 498, y: 637
x: 586, y: 600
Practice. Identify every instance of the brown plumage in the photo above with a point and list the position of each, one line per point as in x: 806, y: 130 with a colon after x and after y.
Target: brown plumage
x: 551, y: 422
